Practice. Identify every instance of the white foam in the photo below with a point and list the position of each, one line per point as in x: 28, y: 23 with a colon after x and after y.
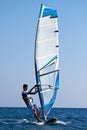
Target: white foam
x: 40, y: 123
x: 61, y: 122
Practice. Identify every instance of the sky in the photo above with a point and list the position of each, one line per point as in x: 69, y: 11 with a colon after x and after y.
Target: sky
x: 18, y: 23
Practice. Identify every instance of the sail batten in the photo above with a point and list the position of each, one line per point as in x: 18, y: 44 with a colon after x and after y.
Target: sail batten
x: 47, y: 58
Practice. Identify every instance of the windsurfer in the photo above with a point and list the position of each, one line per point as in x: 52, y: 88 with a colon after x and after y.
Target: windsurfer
x: 29, y: 100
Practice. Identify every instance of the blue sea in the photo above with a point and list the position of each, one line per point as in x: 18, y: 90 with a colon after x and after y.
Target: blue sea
x: 22, y: 119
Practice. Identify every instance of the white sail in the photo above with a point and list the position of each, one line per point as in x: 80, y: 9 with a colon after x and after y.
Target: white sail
x: 47, y: 58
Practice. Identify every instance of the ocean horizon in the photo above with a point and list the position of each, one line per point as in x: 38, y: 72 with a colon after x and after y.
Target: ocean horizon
x: 13, y: 118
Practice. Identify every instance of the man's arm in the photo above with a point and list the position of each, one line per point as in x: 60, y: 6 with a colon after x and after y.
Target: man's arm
x: 34, y: 90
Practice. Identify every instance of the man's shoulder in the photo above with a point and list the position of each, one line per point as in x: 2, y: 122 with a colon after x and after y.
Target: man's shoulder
x: 25, y: 92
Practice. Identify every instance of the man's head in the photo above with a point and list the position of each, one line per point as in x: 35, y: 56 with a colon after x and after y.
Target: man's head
x: 25, y: 87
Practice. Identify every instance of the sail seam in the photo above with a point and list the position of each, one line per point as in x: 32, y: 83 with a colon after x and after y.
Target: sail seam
x: 46, y: 40
x: 48, y: 73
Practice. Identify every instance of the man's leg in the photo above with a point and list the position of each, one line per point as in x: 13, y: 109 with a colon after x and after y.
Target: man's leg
x: 37, y: 117
x: 37, y: 113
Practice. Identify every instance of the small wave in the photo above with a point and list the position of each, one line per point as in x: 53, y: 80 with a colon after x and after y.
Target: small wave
x: 62, y: 122
x: 23, y: 121
x: 8, y: 121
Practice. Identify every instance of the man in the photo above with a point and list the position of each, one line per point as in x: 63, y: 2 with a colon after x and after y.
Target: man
x: 29, y: 100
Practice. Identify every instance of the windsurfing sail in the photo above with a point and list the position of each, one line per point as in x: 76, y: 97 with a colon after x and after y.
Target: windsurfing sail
x: 47, y: 58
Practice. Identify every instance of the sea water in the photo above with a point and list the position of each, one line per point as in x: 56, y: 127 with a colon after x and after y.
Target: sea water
x: 22, y: 119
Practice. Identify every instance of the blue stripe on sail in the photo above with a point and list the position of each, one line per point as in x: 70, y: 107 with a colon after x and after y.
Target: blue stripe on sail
x: 57, y: 81
x: 53, y: 58
x: 44, y: 11
x: 48, y: 12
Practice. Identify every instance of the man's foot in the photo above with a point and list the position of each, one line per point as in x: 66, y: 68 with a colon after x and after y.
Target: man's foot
x: 39, y: 121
